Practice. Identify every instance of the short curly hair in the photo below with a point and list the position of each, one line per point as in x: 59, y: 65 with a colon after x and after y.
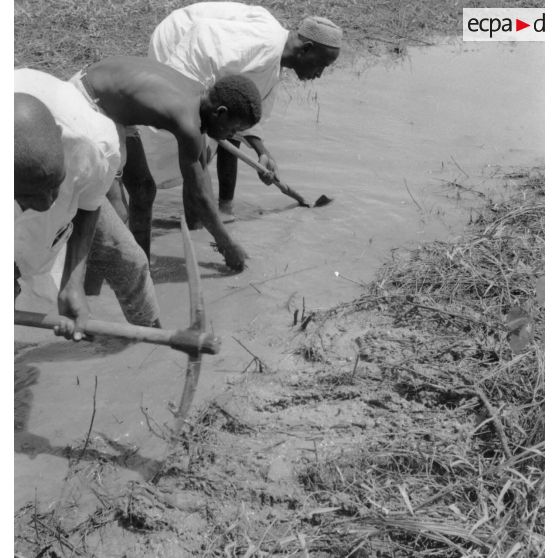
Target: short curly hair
x: 241, y: 97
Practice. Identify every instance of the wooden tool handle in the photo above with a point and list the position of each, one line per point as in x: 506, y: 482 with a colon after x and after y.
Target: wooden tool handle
x: 287, y: 190
x: 190, y: 341
x: 197, y: 318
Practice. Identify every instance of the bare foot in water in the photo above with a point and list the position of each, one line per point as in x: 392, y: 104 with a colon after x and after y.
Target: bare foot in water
x: 226, y: 211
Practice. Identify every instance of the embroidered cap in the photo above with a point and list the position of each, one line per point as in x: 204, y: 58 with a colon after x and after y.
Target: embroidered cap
x: 321, y: 30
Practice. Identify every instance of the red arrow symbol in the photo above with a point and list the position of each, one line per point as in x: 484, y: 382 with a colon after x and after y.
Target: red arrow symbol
x: 519, y: 25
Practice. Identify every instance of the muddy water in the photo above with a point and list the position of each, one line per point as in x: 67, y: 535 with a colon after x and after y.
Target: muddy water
x: 383, y: 140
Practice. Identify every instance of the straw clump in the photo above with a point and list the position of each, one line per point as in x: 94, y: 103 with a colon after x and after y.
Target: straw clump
x: 468, y: 318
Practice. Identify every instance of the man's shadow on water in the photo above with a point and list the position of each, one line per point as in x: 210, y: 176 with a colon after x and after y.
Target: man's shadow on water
x: 257, y: 212
x: 26, y: 376
x: 62, y: 350
x: 127, y: 457
x: 160, y: 225
x: 172, y: 269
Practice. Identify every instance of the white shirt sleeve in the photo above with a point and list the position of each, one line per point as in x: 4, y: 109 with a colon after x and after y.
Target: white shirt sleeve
x: 92, y: 175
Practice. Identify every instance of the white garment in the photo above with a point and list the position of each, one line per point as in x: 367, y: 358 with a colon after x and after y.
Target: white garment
x: 210, y: 40
x: 92, y: 158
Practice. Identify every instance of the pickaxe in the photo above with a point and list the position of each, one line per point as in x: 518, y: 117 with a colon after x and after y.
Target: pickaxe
x: 194, y: 341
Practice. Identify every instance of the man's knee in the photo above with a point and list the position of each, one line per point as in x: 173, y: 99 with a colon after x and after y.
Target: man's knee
x: 144, y: 194
x: 130, y: 279
x: 126, y: 267
x: 136, y: 175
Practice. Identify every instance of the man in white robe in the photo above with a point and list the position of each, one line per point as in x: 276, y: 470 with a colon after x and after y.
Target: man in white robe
x: 209, y: 40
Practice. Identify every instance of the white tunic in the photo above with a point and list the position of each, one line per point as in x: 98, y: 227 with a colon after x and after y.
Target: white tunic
x: 210, y: 40
x: 92, y: 157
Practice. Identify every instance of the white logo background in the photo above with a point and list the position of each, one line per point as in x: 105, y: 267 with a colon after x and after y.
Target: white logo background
x: 491, y: 24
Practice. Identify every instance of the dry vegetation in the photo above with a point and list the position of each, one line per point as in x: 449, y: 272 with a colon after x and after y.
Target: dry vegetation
x: 62, y: 36
x: 469, y: 320
x: 416, y: 429
x: 428, y: 442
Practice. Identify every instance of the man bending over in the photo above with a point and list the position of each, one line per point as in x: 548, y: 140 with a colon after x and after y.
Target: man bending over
x: 66, y: 156
x: 138, y: 91
x: 43, y: 166
x: 208, y: 40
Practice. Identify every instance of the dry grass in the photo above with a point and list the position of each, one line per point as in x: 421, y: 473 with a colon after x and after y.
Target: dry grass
x: 479, y: 492
x: 62, y: 36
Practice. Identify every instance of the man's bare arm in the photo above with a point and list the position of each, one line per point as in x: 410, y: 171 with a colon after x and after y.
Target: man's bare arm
x: 71, y: 298
x: 265, y: 159
x: 197, y: 192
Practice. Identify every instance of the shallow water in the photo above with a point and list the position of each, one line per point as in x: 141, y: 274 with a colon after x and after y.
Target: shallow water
x: 383, y: 140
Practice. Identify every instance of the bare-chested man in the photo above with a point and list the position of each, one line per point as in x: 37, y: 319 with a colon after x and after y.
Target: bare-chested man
x: 138, y: 91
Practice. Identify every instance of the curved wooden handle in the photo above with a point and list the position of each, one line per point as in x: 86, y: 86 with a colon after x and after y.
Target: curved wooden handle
x: 198, y: 321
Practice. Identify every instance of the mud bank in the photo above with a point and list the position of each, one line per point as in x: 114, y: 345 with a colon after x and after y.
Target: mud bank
x: 413, y: 425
